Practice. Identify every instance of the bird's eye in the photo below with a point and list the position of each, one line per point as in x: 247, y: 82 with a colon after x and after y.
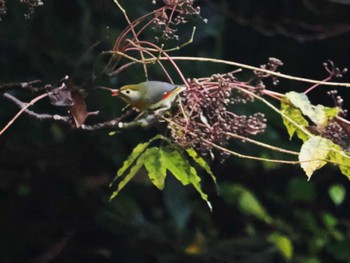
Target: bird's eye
x: 127, y: 91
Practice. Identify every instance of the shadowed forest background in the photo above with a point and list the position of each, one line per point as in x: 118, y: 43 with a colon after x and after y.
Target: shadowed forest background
x: 54, y: 181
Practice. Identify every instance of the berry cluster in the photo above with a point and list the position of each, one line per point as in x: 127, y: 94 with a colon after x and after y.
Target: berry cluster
x: 336, y: 130
x: 206, y: 116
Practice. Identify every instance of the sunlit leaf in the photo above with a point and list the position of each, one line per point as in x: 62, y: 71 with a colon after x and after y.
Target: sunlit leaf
x: 283, y: 243
x: 337, y: 193
x: 245, y: 200
x: 159, y: 160
x: 175, y: 162
x: 340, y: 158
x: 313, y: 154
x: 201, y: 162
x: 156, y: 170
x: 331, y: 112
x: 137, y: 151
x: 318, y: 114
x: 180, y: 167
x: 133, y: 170
x: 295, y: 115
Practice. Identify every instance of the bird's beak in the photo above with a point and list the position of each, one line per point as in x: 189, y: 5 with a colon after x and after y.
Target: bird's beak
x: 115, y: 92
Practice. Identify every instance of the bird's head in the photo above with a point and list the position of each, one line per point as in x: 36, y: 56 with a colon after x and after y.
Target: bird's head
x: 132, y: 94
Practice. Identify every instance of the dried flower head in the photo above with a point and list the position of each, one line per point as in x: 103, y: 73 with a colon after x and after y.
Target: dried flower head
x: 31, y: 4
x: 174, y: 14
x: 272, y: 65
x: 3, y: 9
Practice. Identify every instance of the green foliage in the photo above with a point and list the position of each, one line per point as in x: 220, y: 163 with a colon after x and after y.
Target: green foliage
x: 292, y: 116
x: 337, y: 193
x: 313, y: 154
x: 246, y: 201
x: 158, y: 161
x: 318, y: 114
x: 316, y: 151
x: 283, y: 243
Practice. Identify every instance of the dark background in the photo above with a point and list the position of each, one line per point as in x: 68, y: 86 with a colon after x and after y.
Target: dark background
x: 54, y: 194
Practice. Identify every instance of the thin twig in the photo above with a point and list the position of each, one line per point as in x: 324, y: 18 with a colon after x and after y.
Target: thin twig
x: 19, y: 85
x: 268, y: 146
x: 134, y: 33
x: 32, y: 102
x: 277, y: 74
x: 38, y: 116
x: 249, y: 156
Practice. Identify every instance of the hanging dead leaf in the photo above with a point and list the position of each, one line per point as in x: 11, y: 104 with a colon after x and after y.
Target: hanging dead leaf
x: 78, y: 109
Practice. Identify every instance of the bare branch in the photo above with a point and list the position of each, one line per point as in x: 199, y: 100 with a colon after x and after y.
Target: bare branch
x: 20, y: 85
x: 32, y: 114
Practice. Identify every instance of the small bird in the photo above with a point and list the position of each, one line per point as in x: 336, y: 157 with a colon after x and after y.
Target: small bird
x: 154, y: 96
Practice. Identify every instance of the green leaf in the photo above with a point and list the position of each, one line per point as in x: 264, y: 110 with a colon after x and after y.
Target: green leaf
x: 318, y: 114
x: 329, y: 220
x: 201, y: 162
x: 283, y: 243
x: 157, y: 162
x: 245, y: 200
x: 179, y: 166
x: 295, y: 115
x: 136, y: 152
x: 331, y: 112
x: 196, y: 182
x: 140, y: 158
x: 340, y: 158
x: 337, y: 193
x: 133, y: 170
x: 156, y: 170
x: 175, y: 162
x: 313, y: 154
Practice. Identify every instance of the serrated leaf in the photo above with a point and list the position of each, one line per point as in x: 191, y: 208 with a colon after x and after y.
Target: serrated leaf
x: 181, y: 169
x: 133, y: 170
x: 201, y: 162
x: 245, y: 200
x: 156, y: 170
x: 340, y: 158
x: 136, y: 152
x: 313, y: 154
x: 176, y: 164
x: 195, y: 180
x: 294, y: 114
x: 283, y: 243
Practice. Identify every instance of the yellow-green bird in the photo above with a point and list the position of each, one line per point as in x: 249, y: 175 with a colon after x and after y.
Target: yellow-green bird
x: 149, y: 95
